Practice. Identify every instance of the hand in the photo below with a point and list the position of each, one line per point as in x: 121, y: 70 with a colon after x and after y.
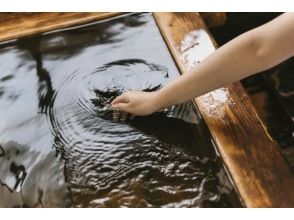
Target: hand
x: 137, y: 103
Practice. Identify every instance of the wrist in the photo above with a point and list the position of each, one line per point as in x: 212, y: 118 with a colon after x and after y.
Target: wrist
x: 157, y: 100
x: 161, y: 100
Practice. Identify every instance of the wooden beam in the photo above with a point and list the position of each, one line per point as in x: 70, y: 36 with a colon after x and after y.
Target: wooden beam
x: 253, y: 159
x: 18, y: 25
x: 214, y: 19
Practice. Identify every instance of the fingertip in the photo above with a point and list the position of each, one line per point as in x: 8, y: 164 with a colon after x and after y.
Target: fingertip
x: 120, y: 99
x: 119, y: 106
x: 114, y: 101
x: 115, y: 106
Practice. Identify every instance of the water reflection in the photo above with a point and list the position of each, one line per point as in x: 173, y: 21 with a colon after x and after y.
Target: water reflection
x: 59, y: 145
x: 27, y: 178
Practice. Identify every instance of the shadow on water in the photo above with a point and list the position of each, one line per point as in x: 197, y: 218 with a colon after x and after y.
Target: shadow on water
x: 45, y: 89
x: 59, y: 144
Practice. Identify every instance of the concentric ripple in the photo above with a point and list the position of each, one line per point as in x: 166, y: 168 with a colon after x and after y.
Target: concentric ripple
x: 163, y: 160
x: 125, y: 164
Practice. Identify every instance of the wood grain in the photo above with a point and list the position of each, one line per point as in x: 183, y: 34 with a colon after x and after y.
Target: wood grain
x: 214, y: 19
x: 17, y: 25
x: 253, y: 159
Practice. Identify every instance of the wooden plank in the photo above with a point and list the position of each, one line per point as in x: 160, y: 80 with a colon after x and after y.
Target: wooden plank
x: 253, y: 159
x: 214, y: 19
x: 18, y: 25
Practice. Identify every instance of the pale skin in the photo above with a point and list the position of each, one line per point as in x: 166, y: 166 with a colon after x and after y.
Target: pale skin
x: 248, y: 54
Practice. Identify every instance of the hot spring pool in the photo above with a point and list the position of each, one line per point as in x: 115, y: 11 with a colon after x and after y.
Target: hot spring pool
x: 59, y: 147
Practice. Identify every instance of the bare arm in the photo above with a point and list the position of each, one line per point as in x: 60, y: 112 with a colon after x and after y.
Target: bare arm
x: 250, y: 53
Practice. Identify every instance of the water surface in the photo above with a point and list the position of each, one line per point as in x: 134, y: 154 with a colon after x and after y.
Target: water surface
x: 60, y: 147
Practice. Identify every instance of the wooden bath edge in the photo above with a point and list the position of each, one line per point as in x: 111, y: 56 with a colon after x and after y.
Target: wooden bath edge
x: 255, y: 164
x: 19, y: 25
x: 253, y: 160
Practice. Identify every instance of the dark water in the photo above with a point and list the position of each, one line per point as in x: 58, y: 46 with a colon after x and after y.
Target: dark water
x: 59, y: 146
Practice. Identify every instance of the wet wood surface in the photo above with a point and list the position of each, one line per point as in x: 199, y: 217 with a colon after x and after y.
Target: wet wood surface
x: 17, y: 25
x: 252, y: 158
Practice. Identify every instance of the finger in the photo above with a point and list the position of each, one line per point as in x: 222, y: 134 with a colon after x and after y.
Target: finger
x: 115, y: 115
x: 120, y: 99
x: 124, y: 117
x: 121, y: 107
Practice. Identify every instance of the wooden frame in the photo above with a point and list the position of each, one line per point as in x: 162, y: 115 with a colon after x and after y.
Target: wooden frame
x: 253, y: 160
x: 17, y: 25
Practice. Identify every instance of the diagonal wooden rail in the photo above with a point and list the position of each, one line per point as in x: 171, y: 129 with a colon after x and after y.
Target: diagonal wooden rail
x: 252, y: 158
x: 17, y: 25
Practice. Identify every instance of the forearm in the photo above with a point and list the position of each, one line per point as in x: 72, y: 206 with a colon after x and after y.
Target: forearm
x: 245, y: 55
x: 233, y: 61
x: 250, y: 53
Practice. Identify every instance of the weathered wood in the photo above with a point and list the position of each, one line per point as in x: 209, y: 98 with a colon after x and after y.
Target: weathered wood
x: 214, y: 19
x: 17, y: 25
x: 253, y: 159
x: 255, y: 164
